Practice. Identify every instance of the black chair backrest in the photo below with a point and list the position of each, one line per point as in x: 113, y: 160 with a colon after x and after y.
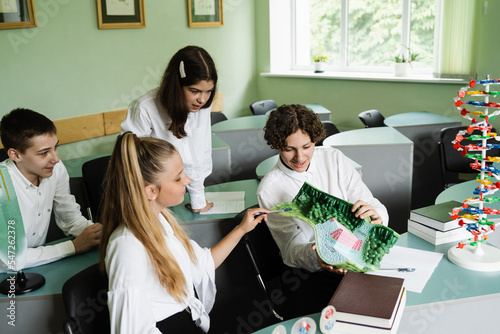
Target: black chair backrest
x: 94, y: 173
x: 216, y: 117
x: 3, y: 154
x: 330, y: 129
x: 85, y: 300
x: 371, y: 118
x: 452, y: 161
x: 262, y: 106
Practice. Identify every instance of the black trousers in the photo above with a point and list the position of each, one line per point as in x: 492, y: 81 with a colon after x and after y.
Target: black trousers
x: 305, y: 292
x: 179, y: 323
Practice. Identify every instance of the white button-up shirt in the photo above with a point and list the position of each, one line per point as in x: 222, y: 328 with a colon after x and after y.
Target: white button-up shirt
x: 146, y: 117
x: 36, y: 205
x: 136, y: 298
x: 329, y: 171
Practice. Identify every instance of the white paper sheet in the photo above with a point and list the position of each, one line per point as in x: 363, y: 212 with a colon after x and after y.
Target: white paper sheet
x: 424, y: 263
x: 225, y: 202
x: 120, y: 7
x: 8, y: 6
x: 204, y: 7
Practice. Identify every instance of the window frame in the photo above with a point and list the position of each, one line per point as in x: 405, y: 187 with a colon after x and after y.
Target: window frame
x: 284, y: 36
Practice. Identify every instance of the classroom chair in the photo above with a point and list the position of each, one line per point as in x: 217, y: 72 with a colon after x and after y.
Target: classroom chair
x: 371, y: 118
x: 216, y: 117
x: 3, y: 154
x: 330, y: 129
x: 85, y: 300
x: 94, y: 173
x: 452, y: 161
x: 262, y: 107
x: 265, y: 258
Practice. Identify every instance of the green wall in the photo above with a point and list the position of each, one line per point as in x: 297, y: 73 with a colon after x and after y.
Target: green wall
x: 347, y: 98
x: 67, y: 67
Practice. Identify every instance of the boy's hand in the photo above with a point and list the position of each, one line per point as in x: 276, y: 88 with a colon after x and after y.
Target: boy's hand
x: 89, y: 238
x: 327, y: 266
x: 363, y: 210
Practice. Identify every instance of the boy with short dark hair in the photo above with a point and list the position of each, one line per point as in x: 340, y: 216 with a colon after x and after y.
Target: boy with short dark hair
x: 41, y: 185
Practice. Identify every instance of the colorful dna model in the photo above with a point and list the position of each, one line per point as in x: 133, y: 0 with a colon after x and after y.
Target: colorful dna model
x: 480, y: 139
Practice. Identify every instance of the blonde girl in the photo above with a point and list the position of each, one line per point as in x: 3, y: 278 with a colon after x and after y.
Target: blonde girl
x: 158, y: 277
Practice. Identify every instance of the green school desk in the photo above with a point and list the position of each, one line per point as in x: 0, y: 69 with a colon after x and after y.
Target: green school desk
x: 461, y: 191
x: 42, y: 311
x: 423, y: 129
x: 387, y: 159
x: 323, y: 113
x: 221, y: 160
x: 454, y: 300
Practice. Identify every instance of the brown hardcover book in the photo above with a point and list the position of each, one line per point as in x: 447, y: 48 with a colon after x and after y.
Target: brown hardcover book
x: 366, y: 299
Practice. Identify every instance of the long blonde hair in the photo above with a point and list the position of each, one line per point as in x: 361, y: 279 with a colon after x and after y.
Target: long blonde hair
x: 136, y: 163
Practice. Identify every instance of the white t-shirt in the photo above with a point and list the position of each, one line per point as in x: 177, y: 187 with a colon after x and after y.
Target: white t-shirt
x: 146, y: 117
x: 329, y: 171
x: 137, y: 300
x: 36, y: 205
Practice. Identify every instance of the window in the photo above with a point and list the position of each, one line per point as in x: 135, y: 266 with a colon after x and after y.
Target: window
x: 355, y: 35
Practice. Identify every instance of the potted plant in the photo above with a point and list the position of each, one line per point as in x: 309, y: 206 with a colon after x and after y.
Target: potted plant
x: 319, y: 62
x: 402, y: 61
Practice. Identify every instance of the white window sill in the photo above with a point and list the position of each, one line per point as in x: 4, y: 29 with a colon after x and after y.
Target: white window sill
x: 390, y: 77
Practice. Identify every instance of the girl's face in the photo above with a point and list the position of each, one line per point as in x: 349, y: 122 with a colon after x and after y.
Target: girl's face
x: 171, y: 186
x: 198, y: 94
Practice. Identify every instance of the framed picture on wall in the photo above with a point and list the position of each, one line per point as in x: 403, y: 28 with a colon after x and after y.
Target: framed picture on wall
x: 17, y: 14
x: 205, y: 13
x: 117, y: 14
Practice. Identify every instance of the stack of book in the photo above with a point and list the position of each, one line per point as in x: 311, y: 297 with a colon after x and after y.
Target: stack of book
x: 368, y: 304
x: 434, y: 224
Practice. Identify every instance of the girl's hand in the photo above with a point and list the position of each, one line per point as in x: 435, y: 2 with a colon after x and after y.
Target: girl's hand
x: 249, y: 222
x: 206, y: 208
x: 363, y: 210
x: 327, y: 266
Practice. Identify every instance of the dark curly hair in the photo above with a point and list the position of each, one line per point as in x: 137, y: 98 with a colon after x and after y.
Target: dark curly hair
x: 288, y: 119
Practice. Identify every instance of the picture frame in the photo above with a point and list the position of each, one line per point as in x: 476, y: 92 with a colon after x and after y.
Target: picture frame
x: 205, y: 13
x: 17, y: 14
x: 121, y: 14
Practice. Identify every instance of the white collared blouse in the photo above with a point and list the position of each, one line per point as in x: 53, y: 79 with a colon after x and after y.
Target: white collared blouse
x: 136, y: 298
x: 329, y: 171
x: 146, y: 117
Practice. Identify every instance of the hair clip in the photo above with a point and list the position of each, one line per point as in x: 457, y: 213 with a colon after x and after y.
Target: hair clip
x: 182, y: 72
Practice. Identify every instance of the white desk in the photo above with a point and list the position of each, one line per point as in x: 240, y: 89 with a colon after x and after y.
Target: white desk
x: 387, y: 159
x: 423, y: 129
x: 245, y: 136
x: 454, y: 300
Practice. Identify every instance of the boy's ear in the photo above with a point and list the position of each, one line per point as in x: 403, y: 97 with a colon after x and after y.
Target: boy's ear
x: 13, y: 154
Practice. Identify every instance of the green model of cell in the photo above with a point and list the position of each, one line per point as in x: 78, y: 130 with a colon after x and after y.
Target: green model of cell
x: 342, y: 240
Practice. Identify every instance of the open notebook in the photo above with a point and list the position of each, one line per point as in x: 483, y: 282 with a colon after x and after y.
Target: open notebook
x: 225, y: 202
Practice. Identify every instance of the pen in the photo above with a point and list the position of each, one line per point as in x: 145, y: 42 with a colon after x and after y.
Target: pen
x: 407, y: 270
x: 274, y: 211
